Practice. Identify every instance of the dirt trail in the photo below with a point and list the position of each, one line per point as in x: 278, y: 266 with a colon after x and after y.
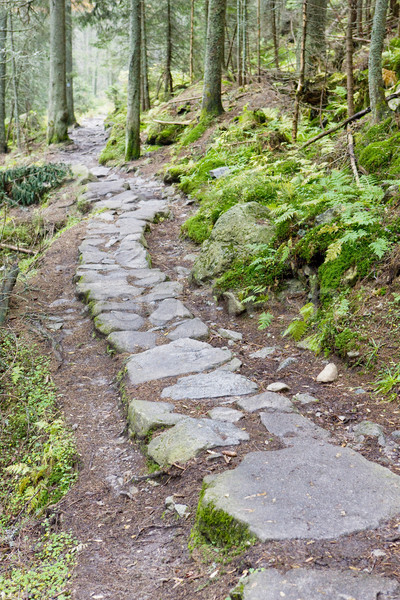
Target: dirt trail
x: 129, y: 547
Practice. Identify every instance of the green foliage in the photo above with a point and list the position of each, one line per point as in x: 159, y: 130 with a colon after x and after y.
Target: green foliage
x: 27, y: 185
x: 265, y: 320
x: 381, y: 157
x: 388, y: 382
x: 37, y: 452
x: 298, y: 327
x: 163, y: 135
x: 192, y: 134
x: 114, y: 150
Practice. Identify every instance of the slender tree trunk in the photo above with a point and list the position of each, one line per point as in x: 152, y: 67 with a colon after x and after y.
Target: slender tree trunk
x: 132, y: 145
x: 360, y: 6
x: 15, y: 84
x: 349, y: 59
x: 69, y: 63
x: 239, y: 42
x: 259, y: 40
x: 300, y: 85
x: 244, y: 41
x: 57, y: 130
x: 275, y: 32
x: 3, y: 73
x: 379, y: 107
x: 168, y: 85
x: 212, y: 103
x: 191, y: 52
x: 315, y: 37
x: 145, y: 71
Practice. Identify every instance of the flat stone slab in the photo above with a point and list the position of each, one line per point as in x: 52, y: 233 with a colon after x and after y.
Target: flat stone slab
x: 145, y: 416
x: 150, y: 209
x: 191, y: 328
x: 102, y: 188
x: 168, y: 310
x: 118, y: 321
x: 223, y: 413
x: 107, y: 306
x: 268, y: 400
x: 168, y: 289
x: 148, y: 277
x: 100, y: 171
x: 264, y: 352
x: 210, y: 385
x: 310, y: 491
x: 132, y: 341
x: 97, y: 291
x: 128, y: 226
x: 293, y: 428
x: 306, y: 584
x: 177, y: 358
x: 304, y: 398
x: 190, y: 436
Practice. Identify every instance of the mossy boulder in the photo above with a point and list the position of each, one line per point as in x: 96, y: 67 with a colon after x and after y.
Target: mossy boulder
x: 381, y: 157
x: 159, y: 134
x: 241, y: 226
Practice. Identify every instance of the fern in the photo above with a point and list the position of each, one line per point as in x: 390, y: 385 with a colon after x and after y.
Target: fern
x: 333, y: 251
x: 265, y: 320
x: 296, y: 329
x: 380, y: 247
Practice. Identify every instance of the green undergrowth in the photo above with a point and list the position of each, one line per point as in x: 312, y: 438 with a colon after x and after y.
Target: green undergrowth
x: 28, y: 185
x: 114, y: 150
x: 216, y: 534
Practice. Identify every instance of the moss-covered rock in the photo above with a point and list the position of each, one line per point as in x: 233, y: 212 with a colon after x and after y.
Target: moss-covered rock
x: 235, y: 230
x: 159, y: 134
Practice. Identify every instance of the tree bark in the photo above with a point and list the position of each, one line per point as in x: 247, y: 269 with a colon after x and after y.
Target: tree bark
x: 315, y: 37
x: 212, y: 103
x: 132, y: 145
x: 15, y: 84
x: 168, y: 84
x: 191, y: 51
x: 145, y: 71
x: 349, y: 59
x: 379, y: 107
x: 3, y: 74
x: 300, y: 85
x: 69, y: 63
x: 8, y: 283
x: 259, y: 40
x: 275, y: 36
x: 57, y: 129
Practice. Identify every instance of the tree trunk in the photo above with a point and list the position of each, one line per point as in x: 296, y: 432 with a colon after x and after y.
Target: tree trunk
x: 349, y: 59
x: 244, y: 41
x: 168, y: 84
x: 191, y: 51
x: 3, y: 73
x: 315, y: 37
x: 259, y: 40
x: 145, y: 71
x: 57, y: 130
x: 300, y: 85
x: 69, y: 63
x: 132, y: 145
x: 15, y: 84
x: 376, y: 86
x: 212, y: 103
x: 275, y: 37
x: 239, y: 42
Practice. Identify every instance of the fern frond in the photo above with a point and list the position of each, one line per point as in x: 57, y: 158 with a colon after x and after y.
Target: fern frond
x: 296, y: 329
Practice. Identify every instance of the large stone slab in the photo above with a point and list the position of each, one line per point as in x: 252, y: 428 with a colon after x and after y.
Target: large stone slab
x: 102, y: 188
x: 132, y: 341
x: 177, y: 358
x: 136, y: 257
x: 210, y: 385
x: 168, y: 289
x: 144, y: 416
x: 269, y: 401
x: 168, y: 310
x: 310, y: 491
x: 97, y: 291
x: 147, y: 277
x: 128, y: 226
x: 129, y: 305
x: 147, y: 211
x: 190, y: 436
x: 306, y: 584
x: 191, y: 328
x: 293, y: 428
x: 118, y: 321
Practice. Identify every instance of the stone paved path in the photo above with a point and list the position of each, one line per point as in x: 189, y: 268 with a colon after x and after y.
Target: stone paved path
x: 310, y: 489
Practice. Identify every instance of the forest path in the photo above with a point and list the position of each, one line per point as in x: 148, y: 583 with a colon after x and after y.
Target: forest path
x: 309, y: 500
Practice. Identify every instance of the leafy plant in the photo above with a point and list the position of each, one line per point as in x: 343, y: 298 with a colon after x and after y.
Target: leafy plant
x: 388, y: 382
x: 265, y: 320
x: 298, y: 327
x: 27, y: 185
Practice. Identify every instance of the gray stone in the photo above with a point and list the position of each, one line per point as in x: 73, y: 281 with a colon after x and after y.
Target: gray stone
x: 230, y: 335
x: 168, y: 289
x: 232, y: 366
x: 136, y: 257
x: 168, y: 310
x: 370, y: 429
x: 329, y: 374
x: 105, y: 279
x: 128, y: 305
x: 93, y: 255
x: 143, y: 416
x: 99, y: 292
x: 132, y: 341
x: 190, y: 436
x: 233, y: 306
x: 307, y: 584
x: 223, y: 413
x: 182, y: 272
x: 293, y: 428
x: 177, y: 358
x: 288, y: 362
x: 359, y: 391
x: 396, y: 434
x: 148, y: 277
x: 129, y: 226
x: 147, y: 211
x: 102, y: 188
x: 278, y: 386
x: 268, y: 400
x: 100, y: 228
x: 210, y: 385
x: 232, y: 233
x: 106, y: 323
x: 182, y: 510
x: 304, y: 398
x: 264, y: 352
x: 312, y: 491
x: 101, y: 171
x: 191, y: 328
x: 82, y: 174
x: 219, y: 172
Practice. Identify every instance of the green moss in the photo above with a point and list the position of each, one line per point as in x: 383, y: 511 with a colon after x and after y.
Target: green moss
x: 345, y: 341
x: 214, y: 526
x: 114, y: 150
x: 159, y: 134
x: 198, y: 228
x: 192, y: 134
x: 382, y: 157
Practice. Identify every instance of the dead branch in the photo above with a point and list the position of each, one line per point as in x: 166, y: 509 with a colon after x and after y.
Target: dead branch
x: 353, y: 160
x: 9, y: 281
x: 17, y: 249
x: 183, y: 123
x: 355, y: 117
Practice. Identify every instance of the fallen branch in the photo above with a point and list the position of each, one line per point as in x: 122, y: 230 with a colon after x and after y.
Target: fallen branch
x: 183, y: 123
x: 9, y: 281
x: 353, y: 160
x: 17, y: 249
x: 355, y: 117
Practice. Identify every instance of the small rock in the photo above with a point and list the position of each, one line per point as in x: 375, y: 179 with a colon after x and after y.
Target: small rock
x: 359, y: 391
x: 371, y: 429
x: 286, y: 363
x: 278, y: 386
x: 264, y: 352
x: 230, y: 335
x: 169, y: 503
x: 329, y: 374
x: 182, y: 510
x: 233, y: 306
x: 378, y: 553
x: 396, y: 434
x: 219, y: 172
x: 232, y: 366
x: 304, y: 398
x: 221, y: 413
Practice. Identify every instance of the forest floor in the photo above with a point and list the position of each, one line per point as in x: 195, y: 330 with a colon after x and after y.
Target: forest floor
x: 130, y: 546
